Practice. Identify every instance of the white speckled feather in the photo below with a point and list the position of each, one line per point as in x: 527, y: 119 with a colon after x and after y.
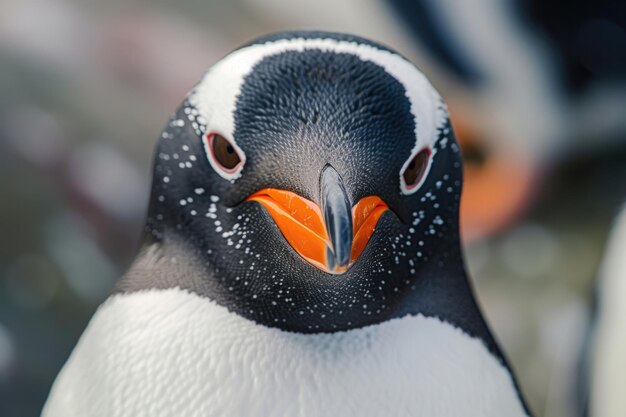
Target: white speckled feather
x: 169, y: 352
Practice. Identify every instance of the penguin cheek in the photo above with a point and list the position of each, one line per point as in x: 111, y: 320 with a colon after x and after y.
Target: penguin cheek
x: 391, y: 257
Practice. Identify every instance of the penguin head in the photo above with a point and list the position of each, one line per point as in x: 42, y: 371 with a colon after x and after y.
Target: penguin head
x: 314, y: 179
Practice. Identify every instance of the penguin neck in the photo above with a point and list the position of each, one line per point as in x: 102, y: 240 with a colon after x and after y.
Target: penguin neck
x: 440, y: 288
x: 444, y: 290
x: 167, y: 262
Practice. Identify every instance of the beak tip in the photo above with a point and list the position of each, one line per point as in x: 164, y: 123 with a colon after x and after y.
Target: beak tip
x: 334, y: 264
x: 342, y: 258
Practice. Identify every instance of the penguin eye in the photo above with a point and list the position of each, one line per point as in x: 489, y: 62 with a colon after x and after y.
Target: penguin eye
x: 413, y: 171
x: 223, y: 154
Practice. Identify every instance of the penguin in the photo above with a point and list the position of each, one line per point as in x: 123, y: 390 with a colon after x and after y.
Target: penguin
x: 603, y: 357
x: 301, y: 254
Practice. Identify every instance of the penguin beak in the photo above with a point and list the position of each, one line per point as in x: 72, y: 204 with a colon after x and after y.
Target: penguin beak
x: 331, y: 237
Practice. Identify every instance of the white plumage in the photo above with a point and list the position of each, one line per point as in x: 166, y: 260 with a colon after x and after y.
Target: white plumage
x: 166, y: 353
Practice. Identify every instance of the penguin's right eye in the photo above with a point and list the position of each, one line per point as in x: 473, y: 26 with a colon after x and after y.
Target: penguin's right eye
x: 224, y: 155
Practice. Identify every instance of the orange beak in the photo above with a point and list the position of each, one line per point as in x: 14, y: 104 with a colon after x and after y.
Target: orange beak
x: 302, y: 223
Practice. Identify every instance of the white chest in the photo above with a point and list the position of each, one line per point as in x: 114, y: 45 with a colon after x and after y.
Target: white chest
x: 171, y: 353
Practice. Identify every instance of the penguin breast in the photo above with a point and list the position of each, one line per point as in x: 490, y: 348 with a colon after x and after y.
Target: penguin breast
x: 179, y: 354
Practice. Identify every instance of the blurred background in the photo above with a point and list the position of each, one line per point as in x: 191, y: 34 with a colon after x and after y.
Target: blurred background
x: 537, y: 94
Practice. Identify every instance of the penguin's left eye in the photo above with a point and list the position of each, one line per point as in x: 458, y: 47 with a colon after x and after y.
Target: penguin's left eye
x: 224, y: 155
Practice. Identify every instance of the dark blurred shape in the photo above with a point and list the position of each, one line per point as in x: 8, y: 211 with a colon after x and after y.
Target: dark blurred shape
x: 422, y: 20
x: 588, y: 37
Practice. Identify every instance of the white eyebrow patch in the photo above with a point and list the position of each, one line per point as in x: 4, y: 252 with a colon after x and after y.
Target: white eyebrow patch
x: 215, y: 97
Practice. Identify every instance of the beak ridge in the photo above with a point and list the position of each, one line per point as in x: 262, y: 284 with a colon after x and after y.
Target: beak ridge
x: 337, y: 212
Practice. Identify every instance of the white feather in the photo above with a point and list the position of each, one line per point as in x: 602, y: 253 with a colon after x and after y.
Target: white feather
x: 165, y: 353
